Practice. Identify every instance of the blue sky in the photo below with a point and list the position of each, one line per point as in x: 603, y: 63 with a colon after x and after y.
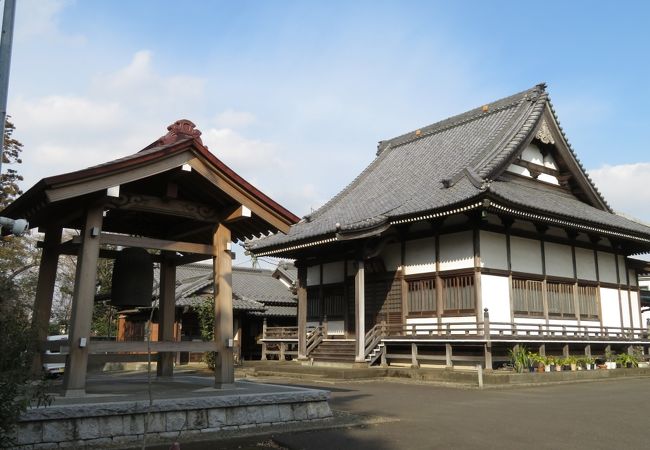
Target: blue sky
x: 295, y: 95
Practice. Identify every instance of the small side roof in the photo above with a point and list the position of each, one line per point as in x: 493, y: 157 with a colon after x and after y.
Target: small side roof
x: 176, y: 167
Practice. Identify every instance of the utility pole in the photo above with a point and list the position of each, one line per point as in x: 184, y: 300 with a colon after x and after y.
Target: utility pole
x: 5, y: 61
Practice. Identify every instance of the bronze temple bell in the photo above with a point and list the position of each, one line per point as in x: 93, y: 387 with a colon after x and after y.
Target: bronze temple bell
x: 132, y: 281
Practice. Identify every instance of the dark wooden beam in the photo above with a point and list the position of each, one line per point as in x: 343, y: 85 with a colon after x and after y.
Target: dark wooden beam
x: 168, y: 207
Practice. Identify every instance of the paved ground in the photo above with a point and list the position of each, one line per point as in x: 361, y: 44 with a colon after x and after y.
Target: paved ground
x: 595, y: 415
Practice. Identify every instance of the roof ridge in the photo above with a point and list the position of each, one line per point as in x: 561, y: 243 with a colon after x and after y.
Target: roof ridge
x: 525, y: 126
x: 461, y: 119
x: 437, y: 127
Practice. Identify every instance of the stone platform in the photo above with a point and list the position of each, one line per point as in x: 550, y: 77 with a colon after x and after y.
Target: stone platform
x: 114, y: 410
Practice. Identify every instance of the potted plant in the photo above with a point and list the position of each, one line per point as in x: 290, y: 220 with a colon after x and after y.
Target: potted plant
x: 519, y: 358
x: 610, y: 359
x: 589, y: 362
x: 627, y: 360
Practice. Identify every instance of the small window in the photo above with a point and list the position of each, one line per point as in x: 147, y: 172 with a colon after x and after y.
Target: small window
x: 560, y: 300
x: 588, y: 302
x: 421, y: 296
x: 458, y: 295
x: 527, y: 298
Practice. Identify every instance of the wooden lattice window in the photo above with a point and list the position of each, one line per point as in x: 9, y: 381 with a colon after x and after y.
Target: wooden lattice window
x: 527, y: 298
x: 421, y: 296
x: 313, y: 303
x: 333, y: 300
x: 588, y: 301
x: 458, y: 295
x: 560, y: 300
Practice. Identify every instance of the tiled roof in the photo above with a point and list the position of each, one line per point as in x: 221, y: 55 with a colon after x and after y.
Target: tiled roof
x: 254, y: 290
x: 441, y: 166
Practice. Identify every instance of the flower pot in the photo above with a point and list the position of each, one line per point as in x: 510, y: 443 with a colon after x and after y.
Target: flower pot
x: 574, y: 367
x: 547, y: 368
x: 558, y: 368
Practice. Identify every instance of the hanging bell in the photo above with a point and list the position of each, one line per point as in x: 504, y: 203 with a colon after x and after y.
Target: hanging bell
x: 132, y: 282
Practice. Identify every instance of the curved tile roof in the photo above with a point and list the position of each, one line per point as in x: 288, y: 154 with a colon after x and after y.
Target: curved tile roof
x: 442, y: 166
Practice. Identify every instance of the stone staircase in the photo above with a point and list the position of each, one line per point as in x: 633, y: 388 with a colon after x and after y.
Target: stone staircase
x: 334, y: 351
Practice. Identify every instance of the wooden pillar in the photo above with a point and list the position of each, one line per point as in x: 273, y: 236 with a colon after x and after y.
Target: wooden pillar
x: 76, y: 364
x: 588, y: 350
x: 414, y: 356
x: 360, y: 312
x: 448, y: 355
x: 166, y: 313
x: 488, y: 356
x: 488, y: 344
x: 478, y: 294
x: 542, y: 350
x: 224, y: 371
x: 302, y: 313
x: 565, y: 350
x: 44, y: 294
x: 264, y: 337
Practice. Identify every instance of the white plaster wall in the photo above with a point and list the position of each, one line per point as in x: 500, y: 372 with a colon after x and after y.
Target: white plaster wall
x: 632, y: 275
x: 585, y: 264
x: 392, y: 256
x: 335, y: 328
x: 458, y: 319
x: 518, y: 170
x: 456, y: 250
x: 495, y: 293
x: 559, y: 261
x: 421, y: 320
x: 550, y: 162
x: 625, y: 302
x: 313, y: 275
x: 607, y: 267
x: 548, y: 179
x: 333, y: 272
x: 420, y: 256
x: 494, y: 253
x: 526, y: 255
x: 533, y: 154
x: 610, y: 307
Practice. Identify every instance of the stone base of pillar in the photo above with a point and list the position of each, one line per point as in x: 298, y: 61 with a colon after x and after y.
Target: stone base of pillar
x: 74, y: 393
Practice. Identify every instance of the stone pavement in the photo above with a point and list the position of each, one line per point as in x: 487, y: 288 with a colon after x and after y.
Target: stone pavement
x: 596, y: 415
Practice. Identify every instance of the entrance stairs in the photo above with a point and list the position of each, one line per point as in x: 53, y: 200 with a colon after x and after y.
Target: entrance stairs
x: 334, y: 351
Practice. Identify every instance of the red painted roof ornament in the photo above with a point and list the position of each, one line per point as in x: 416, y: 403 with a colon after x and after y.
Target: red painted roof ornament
x: 180, y: 129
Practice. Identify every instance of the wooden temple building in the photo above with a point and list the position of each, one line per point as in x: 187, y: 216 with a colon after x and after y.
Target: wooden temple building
x: 260, y: 298
x: 462, y: 239
x: 173, y: 198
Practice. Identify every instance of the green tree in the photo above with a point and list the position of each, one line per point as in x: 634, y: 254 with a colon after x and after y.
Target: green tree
x: 9, y: 188
x: 19, y: 258
x: 205, y: 311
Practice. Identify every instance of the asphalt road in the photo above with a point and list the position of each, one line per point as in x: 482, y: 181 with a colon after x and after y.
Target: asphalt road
x: 595, y: 415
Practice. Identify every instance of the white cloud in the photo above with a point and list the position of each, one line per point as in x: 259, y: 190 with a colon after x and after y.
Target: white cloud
x: 117, y: 114
x: 241, y: 152
x: 235, y: 119
x: 138, y: 84
x: 65, y: 113
x: 36, y: 19
x: 622, y: 185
